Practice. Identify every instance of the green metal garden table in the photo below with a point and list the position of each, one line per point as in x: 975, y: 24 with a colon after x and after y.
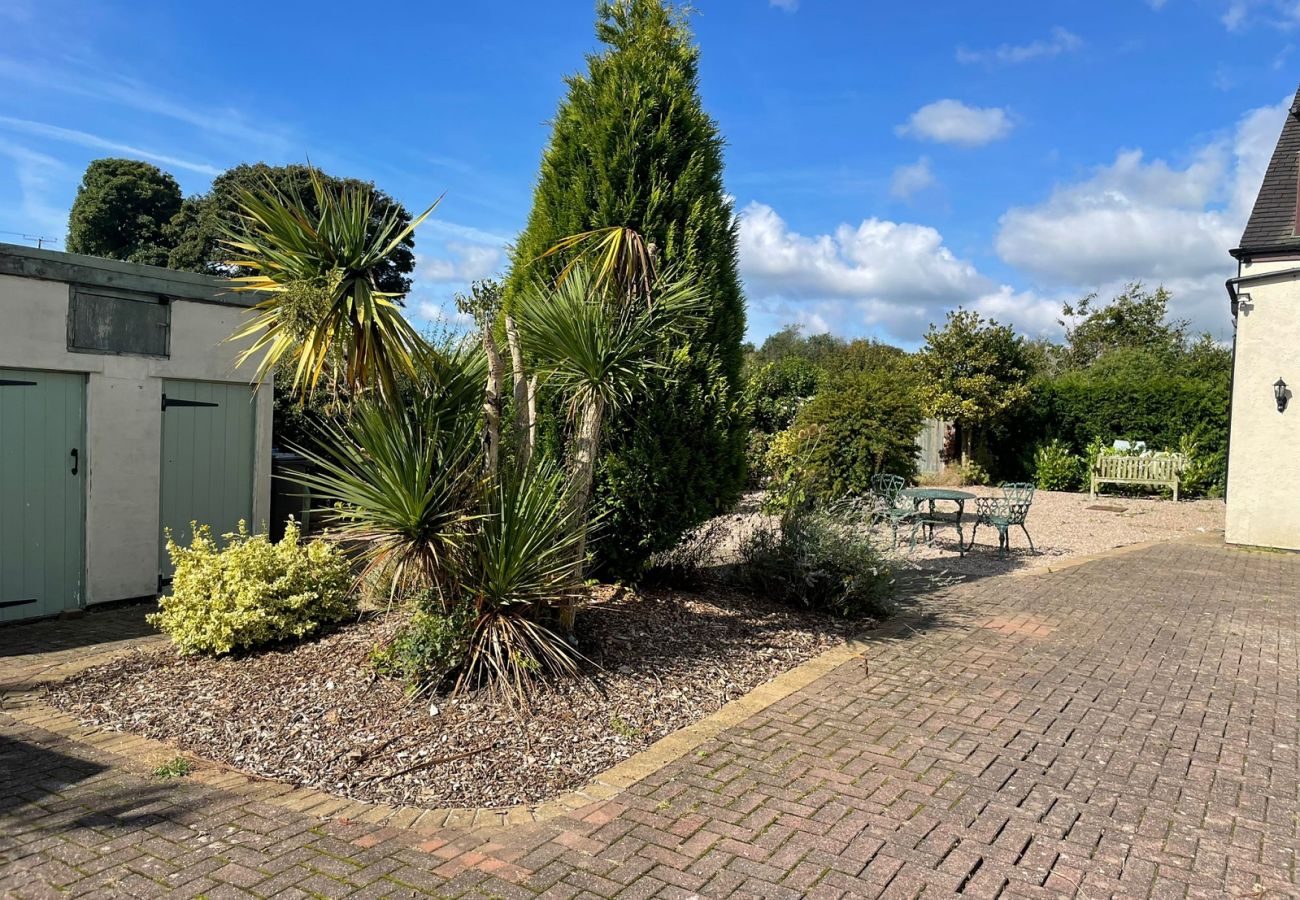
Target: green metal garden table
x: 932, y: 517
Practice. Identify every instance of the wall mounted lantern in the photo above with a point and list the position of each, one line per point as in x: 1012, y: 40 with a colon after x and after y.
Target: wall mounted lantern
x: 1279, y: 394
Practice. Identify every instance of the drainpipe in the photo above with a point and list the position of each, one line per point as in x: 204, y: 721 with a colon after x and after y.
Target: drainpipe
x: 1233, y: 283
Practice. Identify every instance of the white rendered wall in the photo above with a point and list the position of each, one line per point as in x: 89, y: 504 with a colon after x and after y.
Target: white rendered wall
x: 1264, y: 446
x: 124, y: 422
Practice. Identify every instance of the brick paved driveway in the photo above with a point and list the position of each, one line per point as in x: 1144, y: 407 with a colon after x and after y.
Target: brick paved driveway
x: 1126, y: 728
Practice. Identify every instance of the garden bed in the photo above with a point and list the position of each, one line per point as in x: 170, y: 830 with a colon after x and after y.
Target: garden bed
x: 316, y: 714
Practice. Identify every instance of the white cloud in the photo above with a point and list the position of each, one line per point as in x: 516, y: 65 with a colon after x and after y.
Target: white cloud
x: 908, y: 181
x: 1061, y: 41
x: 1239, y: 15
x: 444, y: 314
x: 787, y: 5
x: 86, y: 139
x: 465, y: 233
x: 953, y: 122
x: 1132, y: 216
x: 38, y: 177
x: 1137, y: 218
x: 880, y: 275
x: 469, y: 262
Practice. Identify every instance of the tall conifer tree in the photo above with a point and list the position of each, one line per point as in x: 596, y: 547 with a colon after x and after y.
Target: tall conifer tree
x: 633, y: 146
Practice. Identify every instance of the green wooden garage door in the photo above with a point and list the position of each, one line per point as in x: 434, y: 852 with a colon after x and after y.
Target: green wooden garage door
x: 207, y: 459
x: 42, y: 481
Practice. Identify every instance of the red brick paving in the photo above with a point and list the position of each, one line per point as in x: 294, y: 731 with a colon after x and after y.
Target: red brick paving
x: 1125, y: 728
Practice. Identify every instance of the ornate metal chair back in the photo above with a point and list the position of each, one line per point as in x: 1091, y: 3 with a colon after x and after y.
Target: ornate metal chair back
x: 885, y: 488
x: 1019, y: 496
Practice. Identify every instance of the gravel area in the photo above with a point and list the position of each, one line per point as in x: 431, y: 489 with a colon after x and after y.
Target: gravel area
x: 317, y: 714
x: 1064, y: 525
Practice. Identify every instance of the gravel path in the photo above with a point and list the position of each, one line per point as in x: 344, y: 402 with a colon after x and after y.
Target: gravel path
x: 1062, y: 525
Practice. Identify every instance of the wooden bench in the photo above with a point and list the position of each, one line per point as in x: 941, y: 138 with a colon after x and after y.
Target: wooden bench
x: 1160, y: 470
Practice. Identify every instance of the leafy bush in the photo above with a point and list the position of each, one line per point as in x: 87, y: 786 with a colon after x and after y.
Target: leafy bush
x: 1203, y: 472
x: 252, y: 592
x: 775, y: 391
x: 427, y: 648
x: 819, y: 558
x: 1057, y: 468
x: 789, y: 463
x: 972, y: 473
x: 760, y: 443
x: 673, y: 458
x: 864, y: 423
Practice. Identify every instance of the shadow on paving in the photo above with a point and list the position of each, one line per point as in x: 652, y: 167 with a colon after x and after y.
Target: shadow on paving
x: 28, y: 772
x: 119, y: 622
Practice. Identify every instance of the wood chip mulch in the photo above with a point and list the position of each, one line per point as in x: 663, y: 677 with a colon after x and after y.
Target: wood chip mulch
x: 316, y: 713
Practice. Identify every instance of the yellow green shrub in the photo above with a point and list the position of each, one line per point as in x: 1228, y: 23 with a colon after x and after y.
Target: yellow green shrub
x: 252, y: 592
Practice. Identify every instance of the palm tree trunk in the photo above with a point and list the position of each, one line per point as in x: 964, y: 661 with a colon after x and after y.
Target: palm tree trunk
x: 586, y: 445
x: 532, y: 414
x: 525, y: 411
x: 492, y: 401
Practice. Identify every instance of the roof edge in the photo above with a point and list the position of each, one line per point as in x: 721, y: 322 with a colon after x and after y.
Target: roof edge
x: 73, y: 268
x: 1288, y: 249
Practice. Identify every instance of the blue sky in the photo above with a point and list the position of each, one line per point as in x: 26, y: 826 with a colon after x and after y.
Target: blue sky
x: 888, y: 161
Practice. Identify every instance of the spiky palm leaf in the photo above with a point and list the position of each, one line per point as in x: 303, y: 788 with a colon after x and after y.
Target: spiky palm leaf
x: 594, y: 349
x: 519, y: 568
x: 406, y: 485
x: 623, y: 261
x: 318, y: 270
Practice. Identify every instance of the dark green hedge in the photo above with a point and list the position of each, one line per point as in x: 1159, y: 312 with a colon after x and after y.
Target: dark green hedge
x: 1136, y: 403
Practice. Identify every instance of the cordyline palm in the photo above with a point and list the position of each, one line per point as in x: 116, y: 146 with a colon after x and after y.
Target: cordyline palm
x: 520, y: 563
x: 405, y: 478
x: 317, y: 269
x: 624, y: 262
x: 599, y: 347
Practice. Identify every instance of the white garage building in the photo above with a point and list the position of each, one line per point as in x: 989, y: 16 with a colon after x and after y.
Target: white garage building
x: 122, y: 413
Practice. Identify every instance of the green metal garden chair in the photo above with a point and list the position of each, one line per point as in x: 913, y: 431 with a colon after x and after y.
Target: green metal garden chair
x: 888, y: 509
x: 1004, y: 513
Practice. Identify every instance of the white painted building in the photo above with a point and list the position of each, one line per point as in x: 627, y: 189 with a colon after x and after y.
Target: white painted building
x: 122, y: 412
x: 1263, y: 491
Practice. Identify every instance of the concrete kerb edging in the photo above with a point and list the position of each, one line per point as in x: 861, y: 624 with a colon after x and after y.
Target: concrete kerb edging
x: 133, y: 751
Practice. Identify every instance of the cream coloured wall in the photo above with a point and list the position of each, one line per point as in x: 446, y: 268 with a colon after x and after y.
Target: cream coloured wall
x: 1264, y: 451
x: 124, y: 421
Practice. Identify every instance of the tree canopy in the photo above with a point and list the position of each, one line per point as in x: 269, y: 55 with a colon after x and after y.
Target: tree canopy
x: 203, y: 220
x: 122, y: 211
x: 1136, y: 319
x: 972, y: 370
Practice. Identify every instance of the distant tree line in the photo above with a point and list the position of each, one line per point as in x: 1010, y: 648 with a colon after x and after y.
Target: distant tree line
x: 835, y: 411
x: 132, y: 210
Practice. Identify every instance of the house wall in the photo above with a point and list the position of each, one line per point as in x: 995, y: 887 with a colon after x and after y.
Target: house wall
x: 124, y: 418
x: 1263, y: 492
